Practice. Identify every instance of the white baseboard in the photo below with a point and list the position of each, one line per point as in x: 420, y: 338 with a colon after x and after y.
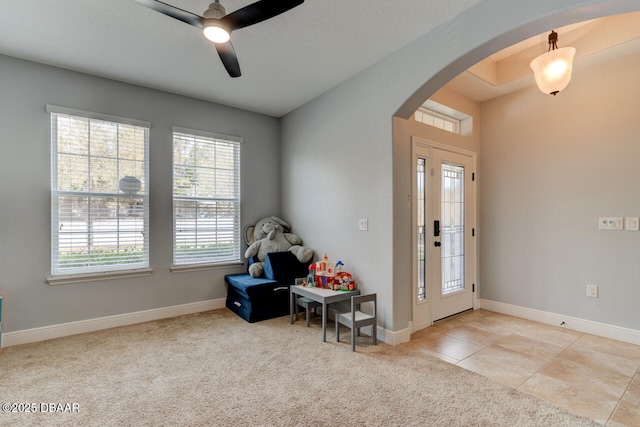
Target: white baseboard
x: 413, y: 327
x: 388, y: 337
x: 90, y: 325
x: 581, y: 325
x: 394, y: 337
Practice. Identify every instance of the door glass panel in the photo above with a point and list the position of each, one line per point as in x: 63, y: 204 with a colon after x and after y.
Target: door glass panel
x: 452, y: 229
x: 421, y: 237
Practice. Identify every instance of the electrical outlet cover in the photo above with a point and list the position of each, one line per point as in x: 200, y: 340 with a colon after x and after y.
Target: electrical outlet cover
x: 618, y: 223
x: 631, y: 224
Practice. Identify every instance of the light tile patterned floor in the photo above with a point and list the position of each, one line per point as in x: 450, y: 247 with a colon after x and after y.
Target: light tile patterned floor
x: 588, y: 375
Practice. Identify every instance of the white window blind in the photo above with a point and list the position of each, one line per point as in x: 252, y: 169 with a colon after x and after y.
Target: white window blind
x: 99, y: 193
x: 206, y: 198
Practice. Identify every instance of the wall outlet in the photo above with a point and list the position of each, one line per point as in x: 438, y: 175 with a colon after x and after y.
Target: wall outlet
x: 363, y: 224
x: 592, y: 291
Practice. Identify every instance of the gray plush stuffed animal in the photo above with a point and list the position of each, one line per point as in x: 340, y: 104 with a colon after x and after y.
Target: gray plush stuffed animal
x: 272, y: 234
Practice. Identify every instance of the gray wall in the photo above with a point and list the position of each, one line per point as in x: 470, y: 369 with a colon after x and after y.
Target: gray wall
x: 344, y: 157
x: 26, y: 88
x: 550, y: 167
x: 339, y: 159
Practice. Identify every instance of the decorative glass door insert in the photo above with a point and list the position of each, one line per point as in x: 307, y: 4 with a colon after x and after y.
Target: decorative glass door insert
x: 453, y: 230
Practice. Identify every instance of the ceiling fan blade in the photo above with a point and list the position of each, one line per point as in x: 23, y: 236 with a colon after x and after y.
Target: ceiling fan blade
x: 173, y: 12
x: 258, y: 12
x: 229, y: 59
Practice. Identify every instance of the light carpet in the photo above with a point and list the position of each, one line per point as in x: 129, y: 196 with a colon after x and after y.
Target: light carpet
x: 214, y: 369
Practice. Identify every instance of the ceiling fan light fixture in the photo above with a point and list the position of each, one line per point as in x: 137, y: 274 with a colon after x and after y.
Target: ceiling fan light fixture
x: 553, y: 69
x: 217, y: 25
x: 215, y: 31
x: 213, y: 27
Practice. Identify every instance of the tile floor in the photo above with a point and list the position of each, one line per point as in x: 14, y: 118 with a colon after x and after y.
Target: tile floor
x: 588, y: 375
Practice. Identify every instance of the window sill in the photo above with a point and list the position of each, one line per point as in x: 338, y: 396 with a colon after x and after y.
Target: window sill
x: 198, y: 267
x: 92, y: 277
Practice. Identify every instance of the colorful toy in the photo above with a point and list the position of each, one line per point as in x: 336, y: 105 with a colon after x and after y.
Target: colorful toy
x: 311, y: 277
x: 329, y: 275
x: 344, y: 282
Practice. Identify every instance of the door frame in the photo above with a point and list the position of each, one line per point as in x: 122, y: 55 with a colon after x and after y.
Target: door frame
x: 425, y: 318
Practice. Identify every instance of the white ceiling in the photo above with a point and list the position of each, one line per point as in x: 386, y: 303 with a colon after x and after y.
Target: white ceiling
x: 286, y: 61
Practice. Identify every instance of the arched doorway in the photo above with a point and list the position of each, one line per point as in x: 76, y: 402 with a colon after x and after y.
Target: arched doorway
x: 401, y: 136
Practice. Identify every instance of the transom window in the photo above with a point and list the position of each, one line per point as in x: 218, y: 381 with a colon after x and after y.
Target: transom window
x: 432, y: 118
x: 206, y: 198
x: 444, y: 117
x: 99, y: 193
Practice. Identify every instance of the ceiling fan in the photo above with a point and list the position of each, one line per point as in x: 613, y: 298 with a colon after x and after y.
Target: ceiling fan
x: 217, y: 25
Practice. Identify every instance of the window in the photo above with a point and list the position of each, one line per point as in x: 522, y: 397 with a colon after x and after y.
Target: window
x: 99, y: 193
x: 206, y: 198
x: 438, y: 120
x: 443, y: 117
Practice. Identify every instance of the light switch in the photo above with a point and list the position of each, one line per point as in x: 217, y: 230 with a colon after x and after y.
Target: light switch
x: 363, y: 224
x: 603, y: 223
x: 618, y: 223
x: 611, y: 223
x: 632, y: 223
x: 606, y: 223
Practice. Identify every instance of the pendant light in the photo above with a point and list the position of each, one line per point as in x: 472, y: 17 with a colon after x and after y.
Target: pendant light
x: 553, y: 68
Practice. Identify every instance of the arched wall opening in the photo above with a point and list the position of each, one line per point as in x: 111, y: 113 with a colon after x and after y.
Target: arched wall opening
x: 402, y: 179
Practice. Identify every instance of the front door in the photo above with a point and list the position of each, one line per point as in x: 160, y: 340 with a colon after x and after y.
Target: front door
x: 452, y: 234
x: 444, y: 217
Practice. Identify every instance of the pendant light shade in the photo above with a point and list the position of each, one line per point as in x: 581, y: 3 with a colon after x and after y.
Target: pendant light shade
x: 553, y: 68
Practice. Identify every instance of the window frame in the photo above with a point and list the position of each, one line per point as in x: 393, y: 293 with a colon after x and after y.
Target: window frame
x: 452, y: 121
x: 108, y: 271
x: 178, y: 267
x: 460, y: 123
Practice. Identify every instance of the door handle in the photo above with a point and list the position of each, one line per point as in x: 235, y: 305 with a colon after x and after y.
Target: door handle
x: 436, y: 228
x: 437, y: 244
